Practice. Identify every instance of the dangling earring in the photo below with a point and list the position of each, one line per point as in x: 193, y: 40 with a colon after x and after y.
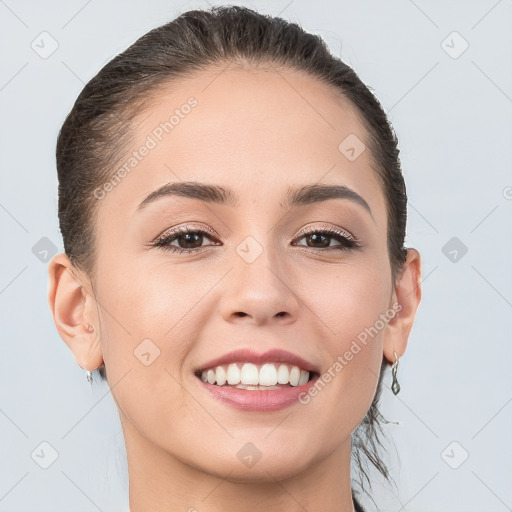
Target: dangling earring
x: 395, y: 387
x: 90, y: 328
x: 89, y: 377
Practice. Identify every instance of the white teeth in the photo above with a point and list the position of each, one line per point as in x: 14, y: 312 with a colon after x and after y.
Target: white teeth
x: 268, y: 375
x: 251, y: 376
x: 295, y: 376
x: 283, y: 375
x: 233, y: 375
x: 304, y: 377
x: 220, y: 375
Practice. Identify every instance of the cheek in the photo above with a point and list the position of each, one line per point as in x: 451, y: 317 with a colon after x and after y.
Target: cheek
x: 350, y: 308
x: 348, y: 300
x: 151, y: 318
x: 152, y: 300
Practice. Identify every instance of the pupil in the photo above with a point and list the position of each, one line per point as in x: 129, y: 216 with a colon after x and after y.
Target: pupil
x: 190, y: 238
x: 316, y: 237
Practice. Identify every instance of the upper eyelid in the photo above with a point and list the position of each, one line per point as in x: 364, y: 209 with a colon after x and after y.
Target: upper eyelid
x: 176, y: 232
x: 331, y: 229
x: 187, y: 228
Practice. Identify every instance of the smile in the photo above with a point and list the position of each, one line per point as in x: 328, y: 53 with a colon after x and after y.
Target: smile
x: 250, y: 376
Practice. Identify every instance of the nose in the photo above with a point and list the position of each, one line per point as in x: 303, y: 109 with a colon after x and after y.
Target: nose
x: 260, y: 293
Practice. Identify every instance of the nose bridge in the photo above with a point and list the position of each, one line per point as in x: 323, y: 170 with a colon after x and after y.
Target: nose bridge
x: 259, y: 287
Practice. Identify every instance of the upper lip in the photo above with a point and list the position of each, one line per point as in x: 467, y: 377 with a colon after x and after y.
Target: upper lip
x: 271, y: 356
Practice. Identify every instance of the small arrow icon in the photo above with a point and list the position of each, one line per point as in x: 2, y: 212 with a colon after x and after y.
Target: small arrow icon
x: 454, y: 455
x: 146, y: 352
x: 44, y: 455
x: 249, y: 455
x: 454, y: 45
x: 247, y: 252
x: 44, y: 44
x: 44, y: 249
x: 454, y: 249
x: 351, y: 147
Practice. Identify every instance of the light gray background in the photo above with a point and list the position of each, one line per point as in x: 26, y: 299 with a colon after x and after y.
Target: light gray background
x: 452, y: 114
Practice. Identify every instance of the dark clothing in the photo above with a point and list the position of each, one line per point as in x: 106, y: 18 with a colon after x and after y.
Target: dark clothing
x: 357, y: 506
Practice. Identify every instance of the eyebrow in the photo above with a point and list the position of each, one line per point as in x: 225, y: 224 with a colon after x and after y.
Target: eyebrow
x: 300, y: 196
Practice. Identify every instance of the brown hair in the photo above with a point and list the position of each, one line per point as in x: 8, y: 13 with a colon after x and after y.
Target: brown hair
x: 95, y: 134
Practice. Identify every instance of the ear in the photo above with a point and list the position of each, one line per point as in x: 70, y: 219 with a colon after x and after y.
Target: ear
x: 73, y: 307
x: 406, y: 298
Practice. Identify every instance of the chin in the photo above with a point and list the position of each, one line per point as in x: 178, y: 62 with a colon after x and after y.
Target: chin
x: 246, y: 463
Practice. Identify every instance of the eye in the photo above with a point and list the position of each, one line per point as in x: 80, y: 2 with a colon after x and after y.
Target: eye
x: 188, y: 240
x: 322, y: 238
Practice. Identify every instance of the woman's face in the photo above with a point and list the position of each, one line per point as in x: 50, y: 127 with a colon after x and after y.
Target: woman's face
x: 263, y: 275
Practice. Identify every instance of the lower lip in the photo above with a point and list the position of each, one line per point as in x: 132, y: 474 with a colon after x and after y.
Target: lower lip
x: 258, y: 400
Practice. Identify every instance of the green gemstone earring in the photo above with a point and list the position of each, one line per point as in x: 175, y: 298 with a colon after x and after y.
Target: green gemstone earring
x: 395, y: 387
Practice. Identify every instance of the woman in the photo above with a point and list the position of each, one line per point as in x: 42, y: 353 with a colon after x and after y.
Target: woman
x: 233, y: 214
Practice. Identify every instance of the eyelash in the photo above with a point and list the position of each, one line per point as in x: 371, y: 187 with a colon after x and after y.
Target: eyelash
x: 347, y: 243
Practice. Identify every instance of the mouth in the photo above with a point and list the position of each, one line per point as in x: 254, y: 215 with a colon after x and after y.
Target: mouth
x: 256, y: 377
x: 249, y: 381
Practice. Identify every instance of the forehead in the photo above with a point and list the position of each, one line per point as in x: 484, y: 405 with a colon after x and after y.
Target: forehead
x: 257, y: 131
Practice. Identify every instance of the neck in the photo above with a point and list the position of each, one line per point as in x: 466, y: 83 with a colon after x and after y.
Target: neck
x: 161, y: 483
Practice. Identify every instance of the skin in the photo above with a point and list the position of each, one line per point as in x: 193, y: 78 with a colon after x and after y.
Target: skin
x: 257, y: 131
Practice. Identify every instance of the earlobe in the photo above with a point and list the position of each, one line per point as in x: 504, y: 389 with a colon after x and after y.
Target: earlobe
x: 71, y: 307
x: 406, y: 299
